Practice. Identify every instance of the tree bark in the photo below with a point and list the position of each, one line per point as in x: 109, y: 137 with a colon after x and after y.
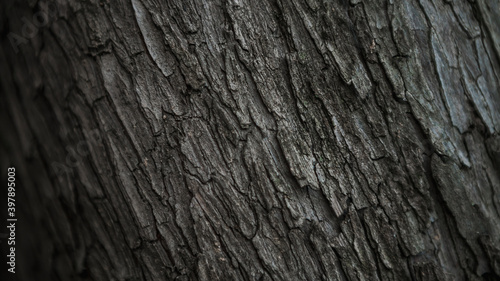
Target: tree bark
x: 253, y: 140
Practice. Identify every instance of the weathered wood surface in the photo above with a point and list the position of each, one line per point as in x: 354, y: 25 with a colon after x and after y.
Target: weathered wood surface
x: 255, y: 140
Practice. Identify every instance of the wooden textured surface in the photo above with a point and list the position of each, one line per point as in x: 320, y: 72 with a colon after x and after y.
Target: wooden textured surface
x: 255, y: 140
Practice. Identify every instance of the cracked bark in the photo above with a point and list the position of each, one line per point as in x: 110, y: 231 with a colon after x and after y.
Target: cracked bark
x: 249, y: 140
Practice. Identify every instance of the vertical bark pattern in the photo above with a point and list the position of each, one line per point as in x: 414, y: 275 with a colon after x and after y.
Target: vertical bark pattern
x: 256, y: 140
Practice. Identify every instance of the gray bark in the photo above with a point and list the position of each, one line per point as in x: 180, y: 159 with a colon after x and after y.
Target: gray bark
x: 254, y: 140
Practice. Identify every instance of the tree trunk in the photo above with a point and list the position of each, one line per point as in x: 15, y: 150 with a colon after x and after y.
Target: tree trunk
x: 253, y: 140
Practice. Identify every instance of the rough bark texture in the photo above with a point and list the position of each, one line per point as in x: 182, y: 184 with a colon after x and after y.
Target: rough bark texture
x: 255, y: 140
